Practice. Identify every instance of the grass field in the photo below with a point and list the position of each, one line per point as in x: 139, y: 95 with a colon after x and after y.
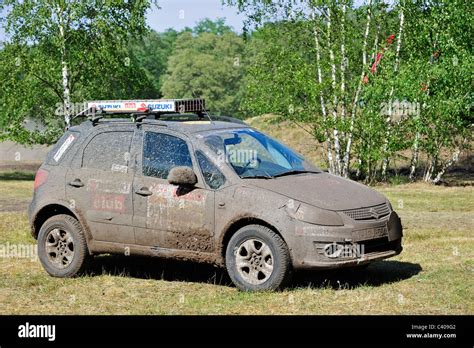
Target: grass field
x: 433, y: 275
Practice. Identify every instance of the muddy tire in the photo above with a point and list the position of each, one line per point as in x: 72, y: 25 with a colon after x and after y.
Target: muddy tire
x: 62, y: 247
x: 258, y: 259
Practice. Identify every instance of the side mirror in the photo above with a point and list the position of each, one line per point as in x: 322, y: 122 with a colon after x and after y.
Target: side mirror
x: 182, y: 176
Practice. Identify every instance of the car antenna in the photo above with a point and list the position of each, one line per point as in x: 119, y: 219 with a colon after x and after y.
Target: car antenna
x: 203, y: 108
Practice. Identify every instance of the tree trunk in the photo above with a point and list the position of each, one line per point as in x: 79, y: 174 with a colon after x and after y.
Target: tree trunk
x: 64, y: 69
x: 344, y: 170
x: 330, y: 159
x: 454, y: 158
x: 337, y: 146
x: 387, y: 135
x: 389, y: 117
x: 358, y: 170
x: 67, y: 97
x: 430, y: 169
x: 432, y: 164
x: 343, y: 60
x: 358, y: 90
x: 415, y: 154
x: 414, y: 158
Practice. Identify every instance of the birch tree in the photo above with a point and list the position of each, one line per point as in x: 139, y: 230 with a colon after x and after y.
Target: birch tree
x: 355, y: 101
x: 330, y: 161
x: 392, y: 89
x: 329, y: 98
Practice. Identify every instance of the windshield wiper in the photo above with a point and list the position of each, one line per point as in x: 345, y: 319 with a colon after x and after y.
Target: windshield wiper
x: 291, y: 172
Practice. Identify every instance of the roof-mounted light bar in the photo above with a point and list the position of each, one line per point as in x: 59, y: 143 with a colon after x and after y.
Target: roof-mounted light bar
x: 161, y: 106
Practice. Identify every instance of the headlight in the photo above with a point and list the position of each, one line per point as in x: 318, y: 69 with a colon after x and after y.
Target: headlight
x: 313, y: 215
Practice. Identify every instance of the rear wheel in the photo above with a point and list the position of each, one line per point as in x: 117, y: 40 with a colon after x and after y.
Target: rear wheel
x: 62, y: 247
x: 258, y: 259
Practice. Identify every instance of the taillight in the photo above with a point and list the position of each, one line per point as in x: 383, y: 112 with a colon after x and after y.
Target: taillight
x: 41, y: 177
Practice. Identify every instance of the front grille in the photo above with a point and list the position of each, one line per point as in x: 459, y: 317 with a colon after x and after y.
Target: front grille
x: 370, y: 213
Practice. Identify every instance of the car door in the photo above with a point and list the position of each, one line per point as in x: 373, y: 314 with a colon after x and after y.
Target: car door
x: 98, y: 185
x: 168, y: 216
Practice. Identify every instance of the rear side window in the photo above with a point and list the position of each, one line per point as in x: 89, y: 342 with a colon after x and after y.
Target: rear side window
x: 109, y: 151
x: 162, y: 152
x: 62, y: 147
x: 212, y: 175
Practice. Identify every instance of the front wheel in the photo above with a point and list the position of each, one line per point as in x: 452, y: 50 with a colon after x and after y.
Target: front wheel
x: 258, y: 259
x: 62, y: 247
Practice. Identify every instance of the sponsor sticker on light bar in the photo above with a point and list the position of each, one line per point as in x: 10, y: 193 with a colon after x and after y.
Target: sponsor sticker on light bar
x: 133, y: 105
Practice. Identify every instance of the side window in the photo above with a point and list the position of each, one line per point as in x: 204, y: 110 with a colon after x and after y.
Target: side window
x: 108, y: 151
x: 162, y: 152
x: 212, y: 175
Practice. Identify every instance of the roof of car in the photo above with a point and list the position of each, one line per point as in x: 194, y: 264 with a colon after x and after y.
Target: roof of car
x: 182, y: 126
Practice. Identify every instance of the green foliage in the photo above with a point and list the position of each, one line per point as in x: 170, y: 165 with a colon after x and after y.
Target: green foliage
x: 206, y: 65
x: 152, y: 53
x: 216, y: 27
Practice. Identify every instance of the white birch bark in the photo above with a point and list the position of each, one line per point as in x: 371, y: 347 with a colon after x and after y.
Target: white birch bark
x: 389, y: 116
x: 64, y: 68
x: 414, y: 158
x: 337, y: 147
x: 448, y: 164
x: 321, y: 96
x: 430, y: 169
x: 358, y: 90
x: 454, y: 159
x: 343, y: 60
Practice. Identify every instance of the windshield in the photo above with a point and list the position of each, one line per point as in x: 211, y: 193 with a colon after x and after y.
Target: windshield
x: 255, y: 155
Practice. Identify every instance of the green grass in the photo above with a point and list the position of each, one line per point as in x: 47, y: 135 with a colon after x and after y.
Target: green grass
x: 16, y: 189
x: 17, y: 175
x: 433, y: 275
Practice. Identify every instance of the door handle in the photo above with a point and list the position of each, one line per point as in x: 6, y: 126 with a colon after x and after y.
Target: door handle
x: 144, y: 191
x: 76, y: 183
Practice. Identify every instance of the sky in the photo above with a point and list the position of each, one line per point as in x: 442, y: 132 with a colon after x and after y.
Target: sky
x: 178, y: 14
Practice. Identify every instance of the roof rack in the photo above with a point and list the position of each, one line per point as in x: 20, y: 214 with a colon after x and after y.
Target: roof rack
x: 141, y: 109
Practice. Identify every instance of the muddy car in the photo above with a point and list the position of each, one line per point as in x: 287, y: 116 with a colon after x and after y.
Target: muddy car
x: 203, y: 190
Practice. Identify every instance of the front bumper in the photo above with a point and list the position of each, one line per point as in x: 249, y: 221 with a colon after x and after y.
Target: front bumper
x: 355, y: 243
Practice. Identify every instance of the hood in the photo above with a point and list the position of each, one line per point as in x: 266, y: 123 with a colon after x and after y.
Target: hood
x: 322, y: 190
